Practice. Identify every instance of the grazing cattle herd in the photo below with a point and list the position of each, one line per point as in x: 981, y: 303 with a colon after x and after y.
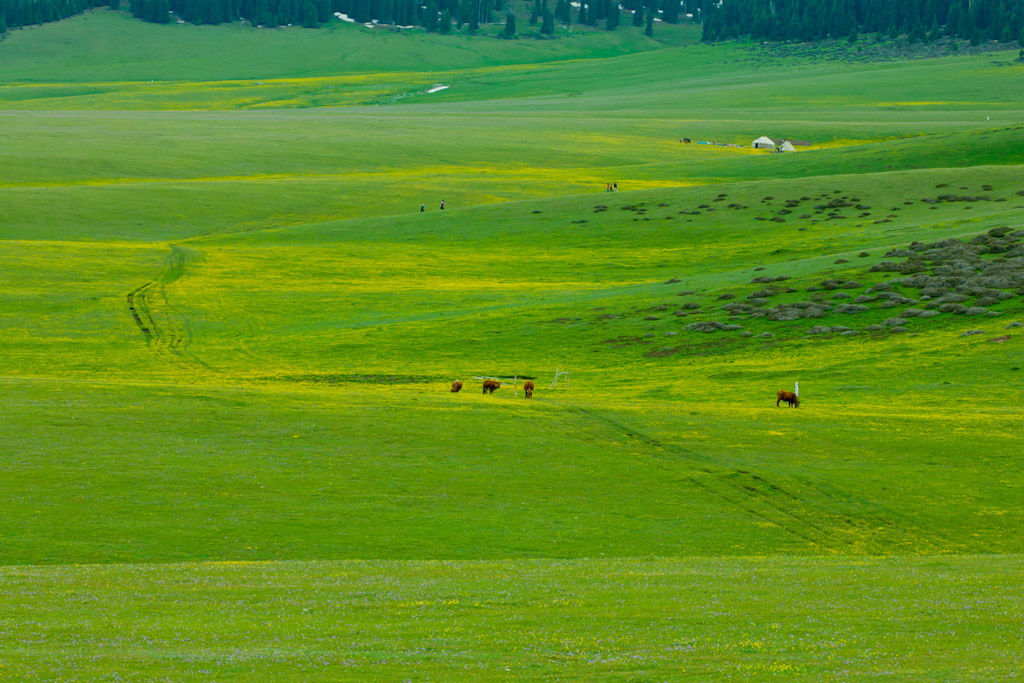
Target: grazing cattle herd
x: 490, y: 385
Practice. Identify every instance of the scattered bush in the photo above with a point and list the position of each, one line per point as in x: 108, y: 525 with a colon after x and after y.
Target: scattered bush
x: 707, y: 326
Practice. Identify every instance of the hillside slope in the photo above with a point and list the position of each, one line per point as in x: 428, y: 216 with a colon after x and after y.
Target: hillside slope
x: 228, y: 340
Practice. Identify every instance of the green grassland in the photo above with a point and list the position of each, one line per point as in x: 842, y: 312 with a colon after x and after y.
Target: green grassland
x: 686, y: 619
x: 227, y: 338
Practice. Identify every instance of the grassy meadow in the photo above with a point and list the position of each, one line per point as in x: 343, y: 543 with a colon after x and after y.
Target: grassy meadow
x: 227, y: 336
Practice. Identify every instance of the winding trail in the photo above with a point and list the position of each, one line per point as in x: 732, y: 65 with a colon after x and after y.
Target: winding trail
x: 168, y: 332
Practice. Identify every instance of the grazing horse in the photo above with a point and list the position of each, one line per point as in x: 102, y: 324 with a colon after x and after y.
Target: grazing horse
x: 490, y: 385
x: 789, y: 397
x: 456, y: 386
x: 528, y: 388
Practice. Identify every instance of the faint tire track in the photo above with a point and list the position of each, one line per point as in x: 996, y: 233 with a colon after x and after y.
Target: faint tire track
x: 797, y: 508
x: 167, y: 332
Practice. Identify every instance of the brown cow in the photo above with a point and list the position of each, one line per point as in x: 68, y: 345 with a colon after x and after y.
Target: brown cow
x: 528, y: 388
x: 456, y: 386
x: 789, y: 397
x: 490, y: 385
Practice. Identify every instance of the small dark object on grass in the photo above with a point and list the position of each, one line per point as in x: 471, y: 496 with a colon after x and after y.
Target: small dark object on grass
x: 672, y: 281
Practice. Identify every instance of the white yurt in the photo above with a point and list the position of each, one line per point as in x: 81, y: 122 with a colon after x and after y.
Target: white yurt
x: 763, y: 143
x: 787, y: 146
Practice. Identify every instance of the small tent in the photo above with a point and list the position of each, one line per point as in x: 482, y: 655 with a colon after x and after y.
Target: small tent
x: 787, y: 146
x: 763, y: 143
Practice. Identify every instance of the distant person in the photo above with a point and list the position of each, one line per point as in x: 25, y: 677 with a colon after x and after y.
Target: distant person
x: 423, y: 207
x: 615, y: 187
x: 442, y: 205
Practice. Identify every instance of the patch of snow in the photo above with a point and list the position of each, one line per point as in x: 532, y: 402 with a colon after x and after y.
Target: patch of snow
x: 345, y: 17
x: 438, y: 88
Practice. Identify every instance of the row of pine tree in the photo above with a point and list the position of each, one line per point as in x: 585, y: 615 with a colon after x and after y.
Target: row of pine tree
x: 808, y: 20
x: 18, y: 13
x: 434, y: 15
x: 775, y: 20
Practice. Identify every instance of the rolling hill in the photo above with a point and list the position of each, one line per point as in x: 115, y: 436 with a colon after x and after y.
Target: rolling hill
x: 227, y: 336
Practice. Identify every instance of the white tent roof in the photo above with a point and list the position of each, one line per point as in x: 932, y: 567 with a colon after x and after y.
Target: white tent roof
x: 787, y: 146
x: 763, y: 143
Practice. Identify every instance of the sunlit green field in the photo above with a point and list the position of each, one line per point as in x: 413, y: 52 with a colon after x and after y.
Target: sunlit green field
x: 227, y: 337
